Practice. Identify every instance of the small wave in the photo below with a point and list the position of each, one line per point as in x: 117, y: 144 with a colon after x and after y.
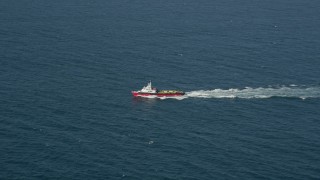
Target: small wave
x: 174, y: 97
x: 150, y: 97
x: 260, y: 93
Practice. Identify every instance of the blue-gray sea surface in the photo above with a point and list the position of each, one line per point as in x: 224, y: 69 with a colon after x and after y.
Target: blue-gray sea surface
x: 250, y: 70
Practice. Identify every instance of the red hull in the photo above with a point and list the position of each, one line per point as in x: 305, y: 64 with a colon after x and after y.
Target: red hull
x: 134, y: 93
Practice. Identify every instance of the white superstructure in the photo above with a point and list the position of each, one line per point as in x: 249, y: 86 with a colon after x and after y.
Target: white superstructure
x: 148, y: 89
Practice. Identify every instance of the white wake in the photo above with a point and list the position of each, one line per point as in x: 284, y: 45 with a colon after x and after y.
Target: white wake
x: 248, y: 93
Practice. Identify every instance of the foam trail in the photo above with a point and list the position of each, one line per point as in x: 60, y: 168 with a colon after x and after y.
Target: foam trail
x: 248, y: 93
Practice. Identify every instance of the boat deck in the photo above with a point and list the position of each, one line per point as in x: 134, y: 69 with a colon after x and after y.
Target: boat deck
x: 168, y: 92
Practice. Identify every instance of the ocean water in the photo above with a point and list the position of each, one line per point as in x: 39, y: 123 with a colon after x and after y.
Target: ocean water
x: 250, y: 70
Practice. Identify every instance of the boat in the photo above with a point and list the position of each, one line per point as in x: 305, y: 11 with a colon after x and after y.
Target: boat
x: 149, y: 91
